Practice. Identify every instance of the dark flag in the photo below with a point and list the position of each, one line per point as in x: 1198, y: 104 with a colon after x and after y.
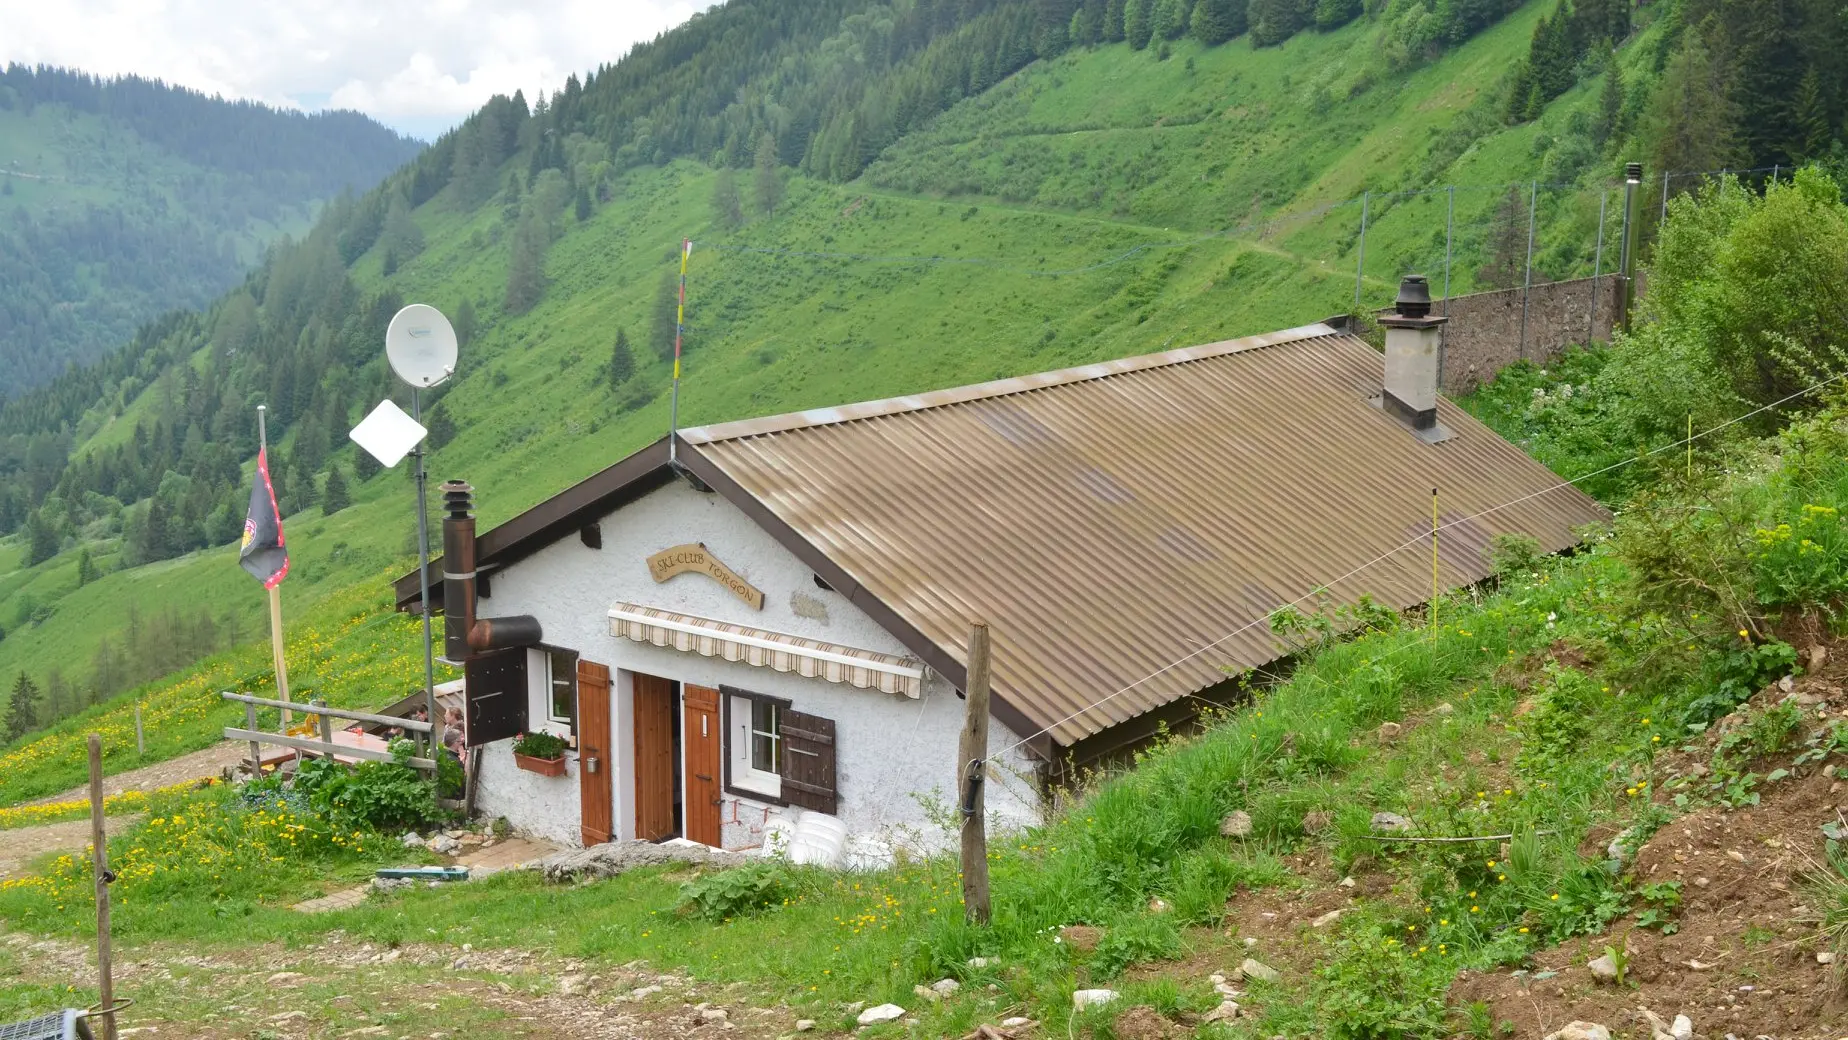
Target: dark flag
x: 263, y: 554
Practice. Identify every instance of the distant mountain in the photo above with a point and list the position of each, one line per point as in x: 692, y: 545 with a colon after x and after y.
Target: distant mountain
x: 121, y: 199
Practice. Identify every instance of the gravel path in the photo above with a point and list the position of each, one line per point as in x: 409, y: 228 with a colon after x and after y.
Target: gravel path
x: 209, y: 762
x: 19, y: 847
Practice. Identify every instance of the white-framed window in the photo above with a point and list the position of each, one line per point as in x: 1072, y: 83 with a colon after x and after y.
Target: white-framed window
x: 552, y: 691
x: 754, y: 747
x: 561, y: 700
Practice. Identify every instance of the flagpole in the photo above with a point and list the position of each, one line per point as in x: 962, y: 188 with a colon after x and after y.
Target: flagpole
x: 275, y: 596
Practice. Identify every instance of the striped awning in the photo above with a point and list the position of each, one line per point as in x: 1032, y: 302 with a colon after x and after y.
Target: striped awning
x: 765, y: 649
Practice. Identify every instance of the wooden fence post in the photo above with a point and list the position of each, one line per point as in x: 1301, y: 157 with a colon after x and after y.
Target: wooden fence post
x: 141, y: 743
x: 256, y: 750
x: 971, y: 770
x: 327, y: 725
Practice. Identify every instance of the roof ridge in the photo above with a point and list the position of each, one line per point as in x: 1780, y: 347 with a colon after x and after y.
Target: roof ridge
x: 994, y: 388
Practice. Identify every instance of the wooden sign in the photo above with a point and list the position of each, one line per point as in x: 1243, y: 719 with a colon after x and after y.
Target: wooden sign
x: 694, y: 558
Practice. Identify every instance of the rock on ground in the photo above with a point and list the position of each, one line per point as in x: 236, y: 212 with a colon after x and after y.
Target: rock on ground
x: 1581, y: 1031
x: 1236, y: 825
x: 1085, y: 998
x: 616, y: 857
x: 872, y: 1016
x: 1392, y: 823
x: 1255, y: 969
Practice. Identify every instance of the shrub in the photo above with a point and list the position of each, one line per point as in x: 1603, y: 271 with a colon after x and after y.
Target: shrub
x: 735, y: 893
x: 1135, y: 938
x: 539, y: 745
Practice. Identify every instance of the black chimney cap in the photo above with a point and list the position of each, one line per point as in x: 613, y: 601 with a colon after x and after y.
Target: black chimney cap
x: 1414, y: 297
x: 1633, y: 172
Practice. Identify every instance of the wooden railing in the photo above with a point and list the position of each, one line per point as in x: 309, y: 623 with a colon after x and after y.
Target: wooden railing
x: 325, y: 746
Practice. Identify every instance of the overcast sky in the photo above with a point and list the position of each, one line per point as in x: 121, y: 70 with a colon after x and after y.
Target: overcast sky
x: 419, y: 66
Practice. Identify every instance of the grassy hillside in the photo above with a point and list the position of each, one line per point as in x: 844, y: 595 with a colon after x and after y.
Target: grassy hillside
x: 1076, y: 211
x: 121, y: 199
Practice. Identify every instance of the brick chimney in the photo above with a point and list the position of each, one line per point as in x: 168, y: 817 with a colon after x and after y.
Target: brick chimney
x: 1412, y: 336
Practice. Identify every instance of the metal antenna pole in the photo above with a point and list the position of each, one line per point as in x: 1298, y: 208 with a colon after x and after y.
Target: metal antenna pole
x: 1632, y: 176
x: 1597, y: 267
x: 1527, y: 291
x: 423, y: 582
x: 1360, y: 266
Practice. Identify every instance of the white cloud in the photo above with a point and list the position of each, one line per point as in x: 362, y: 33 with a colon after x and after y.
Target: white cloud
x: 418, y: 66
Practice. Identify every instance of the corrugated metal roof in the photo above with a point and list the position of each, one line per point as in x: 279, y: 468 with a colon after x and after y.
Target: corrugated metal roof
x: 1110, y: 520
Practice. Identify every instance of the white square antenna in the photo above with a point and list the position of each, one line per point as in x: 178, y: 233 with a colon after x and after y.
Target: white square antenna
x: 388, y: 434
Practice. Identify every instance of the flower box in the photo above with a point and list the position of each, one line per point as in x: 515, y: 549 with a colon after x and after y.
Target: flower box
x: 542, y: 766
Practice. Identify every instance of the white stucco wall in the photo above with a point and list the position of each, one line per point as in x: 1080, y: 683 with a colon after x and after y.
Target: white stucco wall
x: 890, y: 749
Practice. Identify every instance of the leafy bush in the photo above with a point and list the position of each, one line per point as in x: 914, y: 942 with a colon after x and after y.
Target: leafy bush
x: 1373, y: 988
x: 1133, y: 939
x: 539, y: 745
x: 1561, y: 719
x: 737, y: 892
x: 372, y: 795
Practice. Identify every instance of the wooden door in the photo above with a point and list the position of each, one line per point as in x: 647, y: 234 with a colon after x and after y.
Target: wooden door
x: 596, y: 792
x: 700, y: 743
x: 654, y: 757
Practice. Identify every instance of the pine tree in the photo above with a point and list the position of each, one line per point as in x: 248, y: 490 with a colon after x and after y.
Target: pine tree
x: 1692, y: 123
x: 21, y: 709
x: 1112, y: 30
x: 1274, y: 21
x: 1333, y: 14
x: 1507, y: 244
x: 41, y: 539
x: 665, y: 314
x: 442, y: 428
x: 1809, y: 119
x: 401, y: 236
x: 1136, y: 25
x: 1169, y: 19
x: 525, y: 276
x: 1216, y: 21
x: 727, y: 212
x: 769, y: 182
x: 622, y: 360
x: 86, y: 568
x: 1608, y: 125
x: 365, y: 467
x: 581, y: 206
x: 335, y: 497
x: 464, y: 323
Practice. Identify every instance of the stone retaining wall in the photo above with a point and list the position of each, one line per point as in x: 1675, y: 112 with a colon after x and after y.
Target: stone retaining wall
x: 1486, y: 332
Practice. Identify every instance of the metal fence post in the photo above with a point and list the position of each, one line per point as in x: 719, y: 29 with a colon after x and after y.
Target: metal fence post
x: 1360, y: 265
x: 1597, y: 268
x: 1527, y: 290
x: 1450, y: 224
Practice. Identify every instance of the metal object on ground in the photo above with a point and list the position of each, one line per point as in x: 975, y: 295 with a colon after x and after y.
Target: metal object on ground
x: 425, y: 873
x: 69, y: 1024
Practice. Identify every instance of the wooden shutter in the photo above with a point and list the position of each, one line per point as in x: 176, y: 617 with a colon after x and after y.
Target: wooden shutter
x: 808, y: 762
x: 494, y: 691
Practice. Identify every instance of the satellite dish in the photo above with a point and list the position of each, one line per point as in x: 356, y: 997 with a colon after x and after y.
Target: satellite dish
x: 421, y: 345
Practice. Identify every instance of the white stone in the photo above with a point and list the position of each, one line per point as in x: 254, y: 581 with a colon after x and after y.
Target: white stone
x: 1346, y: 882
x: 1326, y: 919
x: 284, y: 978
x: 803, y: 1025
x: 1443, y: 709
x: 1580, y: 1031
x: 1250, y: 942
x: 1225, y: 1012
x: 1255, y: 969
x: 873, y: 1016
x: 443, y: 845
x: 1015, y: 1022
x: 571, y: 986
x: 1236, y: 825
x: 1085, y: 998
x: 714, y: 1015
x: 1392, y: 823
x: 1825, y: 957
x: 926, y: 993
x: 643, y: 992
x: 1682, y: 1029
x: 411, y: 840
x: 1603, y: 968
x: 983, y: 962
x: 945, y: 987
